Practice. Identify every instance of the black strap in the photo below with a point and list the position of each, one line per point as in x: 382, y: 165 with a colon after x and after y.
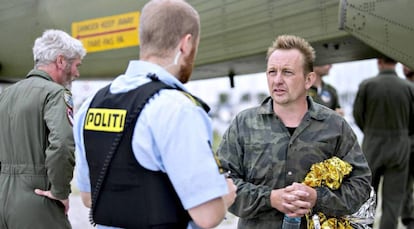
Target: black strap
x: 194, y: 98
x: 150, y: 89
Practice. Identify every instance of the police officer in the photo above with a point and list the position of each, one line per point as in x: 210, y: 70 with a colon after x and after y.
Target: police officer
x: 36, y: 140
x: 143, y: 143
x: 384, y: 110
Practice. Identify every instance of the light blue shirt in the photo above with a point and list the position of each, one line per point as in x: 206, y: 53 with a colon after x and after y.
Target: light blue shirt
x: 172, y: 135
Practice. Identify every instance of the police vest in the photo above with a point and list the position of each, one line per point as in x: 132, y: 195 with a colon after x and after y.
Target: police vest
x: 129, y: 195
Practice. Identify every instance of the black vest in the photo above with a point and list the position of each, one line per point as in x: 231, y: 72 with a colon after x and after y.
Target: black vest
x: 129, y: 195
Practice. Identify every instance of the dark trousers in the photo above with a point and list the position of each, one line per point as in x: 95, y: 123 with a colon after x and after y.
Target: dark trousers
x: 388, y: 158
x: 407, y: 213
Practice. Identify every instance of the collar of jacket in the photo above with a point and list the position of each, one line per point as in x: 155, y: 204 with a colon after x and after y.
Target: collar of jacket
x: 315, y: 111
x: 388, y: 72
x: 39, y: 73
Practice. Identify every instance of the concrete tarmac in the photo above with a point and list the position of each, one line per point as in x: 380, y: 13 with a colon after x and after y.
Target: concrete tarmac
x: 79, y: 215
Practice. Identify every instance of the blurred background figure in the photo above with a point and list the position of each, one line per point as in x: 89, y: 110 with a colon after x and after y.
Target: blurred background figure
x: 409, y: 74
x: 383, y: 110
x: 407, y: 213
x: 324, y: 93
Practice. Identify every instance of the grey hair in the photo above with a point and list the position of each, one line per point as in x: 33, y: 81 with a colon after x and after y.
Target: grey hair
x: 53, y: 43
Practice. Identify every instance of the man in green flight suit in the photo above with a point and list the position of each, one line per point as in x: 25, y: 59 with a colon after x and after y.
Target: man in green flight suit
x: 407, y: 211
x: 36, y: 141
x: 384, y: 111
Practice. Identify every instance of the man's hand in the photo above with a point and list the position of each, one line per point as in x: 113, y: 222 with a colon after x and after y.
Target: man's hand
x: 49, y: 195
x: 295, y: 200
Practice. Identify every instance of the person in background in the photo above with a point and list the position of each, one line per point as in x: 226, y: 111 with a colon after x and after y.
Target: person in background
x: 409, y: 74
x: 269, y: 149
x: 143, y: 143
x: 322, y: 92
x: 36, y: 140
x: 384, y: 110
x: 407, y: 213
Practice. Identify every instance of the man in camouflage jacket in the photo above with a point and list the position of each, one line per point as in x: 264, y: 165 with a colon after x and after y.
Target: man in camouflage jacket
x: 269, y: 149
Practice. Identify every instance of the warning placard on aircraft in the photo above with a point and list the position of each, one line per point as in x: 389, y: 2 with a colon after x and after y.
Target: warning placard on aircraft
x: 112, y: 32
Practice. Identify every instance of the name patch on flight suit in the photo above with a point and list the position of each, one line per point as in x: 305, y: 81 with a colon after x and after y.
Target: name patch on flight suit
x: 105, y: 119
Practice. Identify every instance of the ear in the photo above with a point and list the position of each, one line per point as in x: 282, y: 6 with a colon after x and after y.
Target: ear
x: 309, y: 80
x: 60, y: 62
x: 186, y: 44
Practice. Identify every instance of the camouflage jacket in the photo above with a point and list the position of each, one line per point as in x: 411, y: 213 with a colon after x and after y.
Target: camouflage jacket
x: 261, y: 155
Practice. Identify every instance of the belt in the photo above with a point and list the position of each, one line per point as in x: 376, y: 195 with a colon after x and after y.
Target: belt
x: 22, y: 169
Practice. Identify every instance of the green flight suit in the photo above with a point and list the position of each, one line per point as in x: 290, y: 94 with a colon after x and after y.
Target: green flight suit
x: 407, y: 211
x: 384, y: 111
x: 262, y: 155
x: 36, y: 151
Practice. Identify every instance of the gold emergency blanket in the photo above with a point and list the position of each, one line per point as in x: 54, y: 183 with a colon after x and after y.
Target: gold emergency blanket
x: 329, y: 173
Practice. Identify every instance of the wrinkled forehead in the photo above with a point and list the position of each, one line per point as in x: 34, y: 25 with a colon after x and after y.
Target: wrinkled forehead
x: 292, y: 58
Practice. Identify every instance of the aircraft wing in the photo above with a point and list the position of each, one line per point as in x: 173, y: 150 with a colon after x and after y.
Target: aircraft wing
x: 235, y: 34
